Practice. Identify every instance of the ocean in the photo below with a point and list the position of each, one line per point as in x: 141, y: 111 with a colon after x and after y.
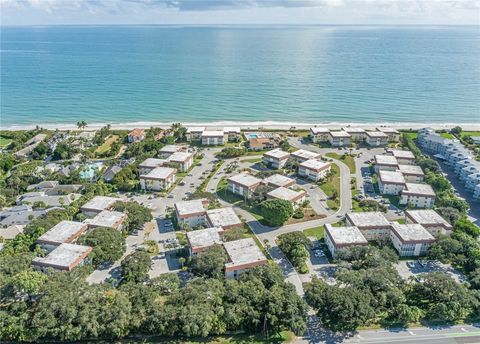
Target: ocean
x: 310, y: 74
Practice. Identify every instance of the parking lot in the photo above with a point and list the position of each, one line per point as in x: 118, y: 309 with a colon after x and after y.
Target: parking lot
x: 415, y: 268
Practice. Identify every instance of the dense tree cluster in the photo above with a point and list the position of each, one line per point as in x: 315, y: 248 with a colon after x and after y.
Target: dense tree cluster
x: 276, y: 211
x: 108, y: 245
x: 231, y: 152
x: 137, y: 214
x: 64, y: 307
x: 296, y: 247
x: 369, y: 290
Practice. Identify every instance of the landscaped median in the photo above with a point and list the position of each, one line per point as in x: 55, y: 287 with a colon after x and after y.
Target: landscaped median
x: 347, y: 159
x: 331, y: 186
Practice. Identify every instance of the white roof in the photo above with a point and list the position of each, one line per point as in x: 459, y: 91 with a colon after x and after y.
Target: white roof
x: 243, y: 251
x: 235, y: 130
x: 368, y: 219
x: 402, y: 154
x: 180, y: 156
x: 152, y: 163
x: 376, y: 134
x: 388, y: 130
x: 305, y: 154
x: 170, y: 149
x: 339, y: 134
x: 353, y: 130
x: 100, y: 203
x: 245, y: 179
x: 411, y: 169
x: 316, y: 165
x: 386, y: 160
x: 223, y: 217
x: 285, y: 194
x: 195, y: 129
x: 348, y: 235
x: 279, y: 180
x: 204, y: 237
x: 65, y: 256
x: 391, y: 177
x: 319, y: 130
x: 427, y: 217
x: 106, y: 218
x: 62, y: 232
x: 277, y: 154
x: 418, y: 189
x: 411, y: 232
x: 213, y: 133
x: 159, y: 173
x: 194, y: 206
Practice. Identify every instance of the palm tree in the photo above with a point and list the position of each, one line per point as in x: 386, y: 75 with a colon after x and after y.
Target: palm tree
x: 81, y: 124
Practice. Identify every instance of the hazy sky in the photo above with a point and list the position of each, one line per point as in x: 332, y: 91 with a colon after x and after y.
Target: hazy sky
x: 53, y: 12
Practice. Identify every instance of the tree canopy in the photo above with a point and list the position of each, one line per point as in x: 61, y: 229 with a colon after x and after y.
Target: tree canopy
x: 276, y: 211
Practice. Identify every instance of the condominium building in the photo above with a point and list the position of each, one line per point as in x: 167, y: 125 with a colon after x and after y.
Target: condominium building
x: 192, y: 213
x: 391, y: 182
x: 376, y: 138
x: 314, y: 169
x: 412, y: 173
x: 275, y: 158
x: 243, y: 184
x: 385, y: 163
x: 158, y: 179
x: 338, y: 238
x: 302, y: 155
x: 372, y: 224
x: 339, y: 138
x: 296, y: 198
x: 430, y: 220
x: 318, y: 134
x: 418, y: 195
x: 242, y: 255
x: 411, y: 239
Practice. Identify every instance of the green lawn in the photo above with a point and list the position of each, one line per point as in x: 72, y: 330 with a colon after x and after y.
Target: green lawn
x: 106, y: 145
x: 4, y: 142
x: 412, y: 135
x: 329, y: 186
x: 470, y: 133
x: 317, y: 232
x: 447, y: 135
x: 346, y: 159
x: 252, y: 160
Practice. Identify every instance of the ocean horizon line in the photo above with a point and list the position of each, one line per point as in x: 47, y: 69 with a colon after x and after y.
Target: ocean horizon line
x: 279, y: 125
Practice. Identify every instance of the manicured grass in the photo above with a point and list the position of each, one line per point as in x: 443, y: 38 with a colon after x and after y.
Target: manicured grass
x: 470, y: 133
x: 106, y: 144
x: 253, y: 160
x: 182, y: 238
x: 4, y: 142
x: 412, y: 135
x: 447, y: 135
x: 346, y: 159
x: 317, y: 232
x: 329, y: 186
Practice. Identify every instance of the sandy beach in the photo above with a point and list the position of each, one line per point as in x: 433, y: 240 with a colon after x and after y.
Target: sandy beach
x: 250, y: 125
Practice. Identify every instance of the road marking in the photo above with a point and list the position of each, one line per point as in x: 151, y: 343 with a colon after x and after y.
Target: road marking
x: 413, y: 334
x: 463, y: 329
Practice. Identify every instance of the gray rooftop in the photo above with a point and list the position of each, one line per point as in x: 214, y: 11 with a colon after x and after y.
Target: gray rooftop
x: 348, y: 235
x: 427, y: 217
x: 391, y: 177
x: 278, y: 180
x: 353, y: 130
x: 107, y: 218
x: 213, y: 133
x: 305, y: 154
x: 100, y: 203
x: 376, y: 134
x: 285, y: 194
x: 368, y: 219
x: 319, y: 130
x: 418, y: 189
x: 180, y: 156
x: 170, y: 149
x: 204, y: 237
x: 316, y: 165
x: 411, y: 232
x: 195, y: 129
x: 190, y: 207
x: 245, y: 179
x: 159, y: 173
x: 388, y: 130
x: 152, y: 163
x: 339, y: 134
x: 63, y: 231
x: 277, y: 154
x: 65, y: 256
x: 243, y: 251
x: 402, y: 154
x: 389, y: 160
x: 223, y: 217
x: 411, y: 169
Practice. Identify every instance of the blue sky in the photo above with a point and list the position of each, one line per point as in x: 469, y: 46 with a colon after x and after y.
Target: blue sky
x: 385, y: 12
